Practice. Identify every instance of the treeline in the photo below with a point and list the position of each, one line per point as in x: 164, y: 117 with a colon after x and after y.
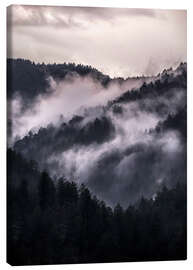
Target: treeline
x: 30, y: 79
x: 64, y: 223
x: 157, y: 87
x: 65, y: 136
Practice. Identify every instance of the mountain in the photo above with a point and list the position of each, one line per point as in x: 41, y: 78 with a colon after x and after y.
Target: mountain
x: 107, y: 183
x: 108, y: 143
x: 30, y: 79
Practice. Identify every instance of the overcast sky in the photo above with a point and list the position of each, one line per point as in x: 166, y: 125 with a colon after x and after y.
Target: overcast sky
x: 118, y: 42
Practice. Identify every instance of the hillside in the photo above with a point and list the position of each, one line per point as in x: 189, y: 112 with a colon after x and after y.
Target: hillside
x: 105, y: 140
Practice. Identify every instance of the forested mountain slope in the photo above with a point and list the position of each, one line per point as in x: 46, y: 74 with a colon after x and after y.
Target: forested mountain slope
x: 145, y: 128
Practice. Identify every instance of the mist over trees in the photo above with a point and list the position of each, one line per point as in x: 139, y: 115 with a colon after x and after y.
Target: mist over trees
x: 30, y: 79
x: 107, y: 183
x: 144, y: 128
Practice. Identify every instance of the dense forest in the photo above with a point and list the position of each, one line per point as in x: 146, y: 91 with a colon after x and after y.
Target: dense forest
x: 35, y: 79
x: 29, y: 79
x: 64, y: 223
x: 105, y: 184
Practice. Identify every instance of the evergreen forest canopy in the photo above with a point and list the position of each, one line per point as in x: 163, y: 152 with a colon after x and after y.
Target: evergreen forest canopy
x: 108, y: 182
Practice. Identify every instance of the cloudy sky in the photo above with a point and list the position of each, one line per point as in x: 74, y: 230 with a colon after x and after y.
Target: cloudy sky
x: 118, y: 42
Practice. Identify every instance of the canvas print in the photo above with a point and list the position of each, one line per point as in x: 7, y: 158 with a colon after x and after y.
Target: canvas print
x: 96, y: 135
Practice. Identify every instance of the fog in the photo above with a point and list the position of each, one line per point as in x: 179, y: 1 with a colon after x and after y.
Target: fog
x: 64, y: 99
x: 133, y: 164
x: 84, y: 132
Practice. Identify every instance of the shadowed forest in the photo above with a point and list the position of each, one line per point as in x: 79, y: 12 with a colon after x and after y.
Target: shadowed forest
x: 65, y: 224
